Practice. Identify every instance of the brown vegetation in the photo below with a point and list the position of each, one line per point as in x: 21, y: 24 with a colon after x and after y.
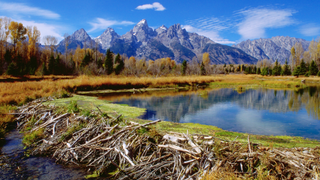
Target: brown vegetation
x: 113, y: 147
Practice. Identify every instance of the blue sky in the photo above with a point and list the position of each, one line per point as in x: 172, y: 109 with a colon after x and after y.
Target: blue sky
x: 226, y: 22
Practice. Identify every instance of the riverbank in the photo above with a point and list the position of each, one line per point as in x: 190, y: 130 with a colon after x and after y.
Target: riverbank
x: 114, y: 146
x: 20, y: 92
x: 132, y: 113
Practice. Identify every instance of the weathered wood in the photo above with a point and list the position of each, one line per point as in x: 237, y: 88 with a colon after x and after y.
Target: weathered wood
x: 174, y: 139
x: 126, y: 157
x: 177, y: 148
x: 147, y: 156
x: 193, y: 145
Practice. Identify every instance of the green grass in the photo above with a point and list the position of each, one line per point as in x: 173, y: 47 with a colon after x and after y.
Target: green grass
x: 29, y: 139
x: 91, y: 103
x: 275, y: 141
x: 87, y: 103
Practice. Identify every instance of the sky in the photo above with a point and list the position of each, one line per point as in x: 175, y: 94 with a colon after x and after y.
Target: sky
x: 226, y: 22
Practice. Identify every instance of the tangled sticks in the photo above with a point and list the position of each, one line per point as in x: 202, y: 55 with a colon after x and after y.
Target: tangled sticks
x: 119, y: 149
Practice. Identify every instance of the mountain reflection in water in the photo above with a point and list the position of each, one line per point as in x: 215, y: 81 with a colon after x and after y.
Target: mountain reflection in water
x: 262, y: 111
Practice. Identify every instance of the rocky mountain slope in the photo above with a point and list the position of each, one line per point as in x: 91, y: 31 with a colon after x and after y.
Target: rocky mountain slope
x: 78, y: 38
x: 274, y: 48
x: 145, y: 42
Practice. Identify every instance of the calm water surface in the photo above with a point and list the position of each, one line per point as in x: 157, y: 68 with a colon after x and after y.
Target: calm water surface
x: 262, y: 111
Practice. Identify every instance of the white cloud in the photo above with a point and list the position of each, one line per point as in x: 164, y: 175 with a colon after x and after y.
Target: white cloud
x: 209, y: 27
x: 310, y: 30
x: 45, y: 29
x: 251, y: 121
x: 257, y: 20
x: 19, y: 8
x: 157, y: 6
x: 102, y: 24
x: 212, y: 34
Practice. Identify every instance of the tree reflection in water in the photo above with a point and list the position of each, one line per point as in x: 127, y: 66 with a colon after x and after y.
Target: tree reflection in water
x: 282, y: 111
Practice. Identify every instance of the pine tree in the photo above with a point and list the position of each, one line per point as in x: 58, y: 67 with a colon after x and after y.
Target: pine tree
x: 99, y: 62
x: 119, y: 64
x: 202, y: 69
x: 20, y: 65
x: 303, y: 68
x: 58, y: 69
x: 8, y: 56
x: 51, y: 65
x: 44, y: 69
x: 296, y: 71
x: 184, y: 67
x: 276, y: 69
x: 265, y: 71
x: 86, y: 60
x: 254, y: 71
x: 32, y: 65
x: 258, y: 71
x: 286, y: 69
x: 12, y: 69
x: 313, y: 68
x: 247, y: 70
x: 72, y: 66
x: 108, y: 63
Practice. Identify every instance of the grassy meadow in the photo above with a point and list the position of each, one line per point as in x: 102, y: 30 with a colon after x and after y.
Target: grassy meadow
x: 17, y: 91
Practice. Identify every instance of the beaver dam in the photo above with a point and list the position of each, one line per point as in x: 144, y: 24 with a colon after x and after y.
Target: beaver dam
x: 107, y: 145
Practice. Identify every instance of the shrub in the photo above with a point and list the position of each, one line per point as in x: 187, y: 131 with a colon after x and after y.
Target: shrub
x: 307, y: 74
x: 73, y: 107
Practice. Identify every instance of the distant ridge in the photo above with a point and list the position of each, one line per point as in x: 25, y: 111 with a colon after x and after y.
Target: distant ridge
x: 174, y: 42
x: 273, y: 48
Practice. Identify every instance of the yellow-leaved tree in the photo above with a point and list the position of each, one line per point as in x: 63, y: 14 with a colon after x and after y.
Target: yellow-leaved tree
x: 293, y: 57
x: 34, y: 38
x: 18, y: 32
x: 206, y: 62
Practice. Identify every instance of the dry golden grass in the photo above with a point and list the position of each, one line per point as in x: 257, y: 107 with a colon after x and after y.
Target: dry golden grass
x: 20, y: 92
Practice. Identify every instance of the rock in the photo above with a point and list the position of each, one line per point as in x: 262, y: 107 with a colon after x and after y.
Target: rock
x: 278, y: 47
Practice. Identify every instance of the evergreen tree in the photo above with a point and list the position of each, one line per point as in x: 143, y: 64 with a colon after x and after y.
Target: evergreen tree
x: 12, y: 69
x: 58, y: 68
x: 203, y: 70
x: 32, y: 65
x: 296, y: 71
x: 254, y: 71
x: 51, y: 64
x: 286, y: 69
x: 108, y: 63
x: 72, y: 66
x: 8, y: 56
x: 303, y: 68
x: 21, y: 67
x: 99, y: 62
x: 258, y: 71
x: 44, y: 69
x: 265, y: 71
x: 313, y: 68
x: 184, y: 67
x: 86, y: 60
x: 247, y: 70
x: 276, y: 69
x: 119, y: 64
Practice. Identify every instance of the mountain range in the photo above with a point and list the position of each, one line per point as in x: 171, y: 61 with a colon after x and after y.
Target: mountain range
x: 178, y: 44
x: 145, y: 42
x: 278, y: 47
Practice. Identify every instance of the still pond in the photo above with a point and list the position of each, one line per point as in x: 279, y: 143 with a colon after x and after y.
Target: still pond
x: 260, y: 111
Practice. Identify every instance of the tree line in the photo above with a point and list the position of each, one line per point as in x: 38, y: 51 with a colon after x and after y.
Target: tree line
x: 24, y: 55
